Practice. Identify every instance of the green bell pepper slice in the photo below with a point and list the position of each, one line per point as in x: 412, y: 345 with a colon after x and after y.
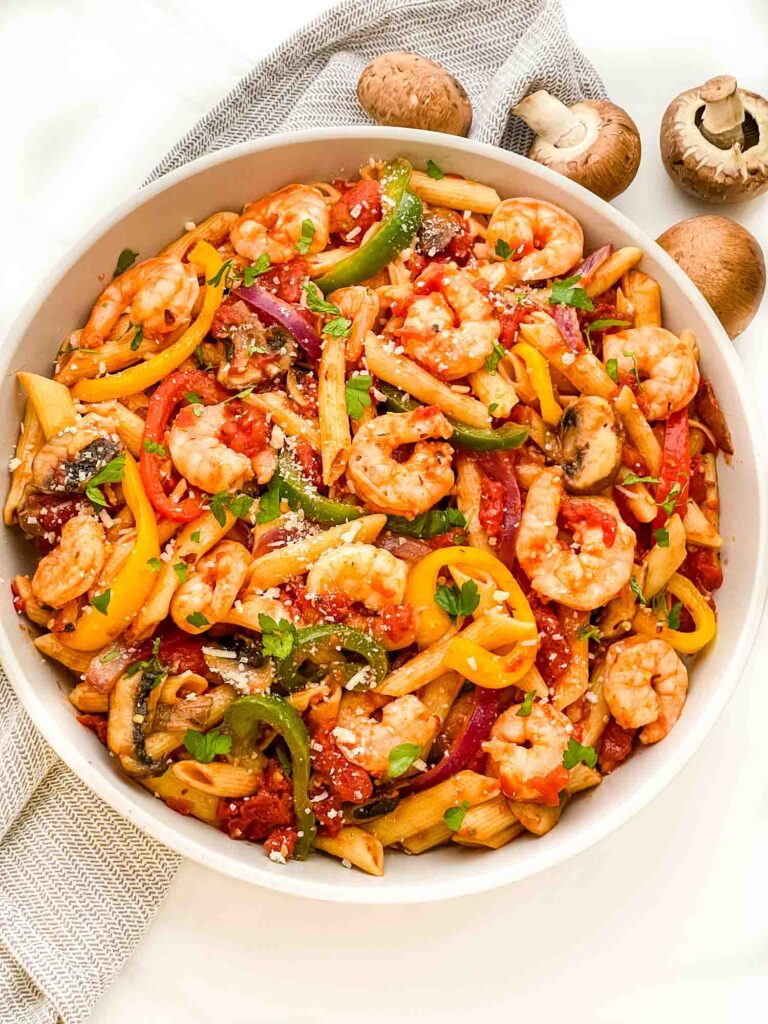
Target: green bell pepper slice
x: 313, y: 640
x: 511, y: 435
x: 243, y: 719
x: 395, y: 232
x: 300, y: 493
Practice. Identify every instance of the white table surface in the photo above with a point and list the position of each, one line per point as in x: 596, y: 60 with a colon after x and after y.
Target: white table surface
x: 665, y: 918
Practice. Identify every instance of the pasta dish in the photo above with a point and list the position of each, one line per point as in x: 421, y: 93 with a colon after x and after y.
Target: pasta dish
x: 383, y: 513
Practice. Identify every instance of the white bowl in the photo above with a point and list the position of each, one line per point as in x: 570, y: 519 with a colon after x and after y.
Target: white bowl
x: 226, y: 180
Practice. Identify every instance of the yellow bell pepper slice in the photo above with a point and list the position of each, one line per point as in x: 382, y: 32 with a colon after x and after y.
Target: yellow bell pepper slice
x: 704, y: 619
x: 541, y: 381
x: 144, y: 375
x: 494, y: 671
x: 132, y: 585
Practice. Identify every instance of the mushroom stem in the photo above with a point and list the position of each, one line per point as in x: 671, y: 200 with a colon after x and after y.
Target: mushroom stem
x: 550, y: 119
x: 723, y: 120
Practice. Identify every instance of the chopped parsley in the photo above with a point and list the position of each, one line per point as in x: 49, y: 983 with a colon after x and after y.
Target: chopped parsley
x: 180, y: 568
x: 316, y: 303
x: 673, y: 615
x: 427, y: 524
x: 138, y: 336
x: 262, y: 264
x: 154, y: 564
x: 222, y: 502
x: 661, y: 536
x: 503, y: 249
x: 269, y: 502
x: 356, y: 393
x: 198, y: 620
x: 633, y: 478
x: 195, y: 538
x: 112, y: 473
x: 152, y: 667
x: 339, y: 327
x: 204, y: 746
x: 635, y: 371
x: 224, y: 269
x: 101, y: 601
x: 110, y: 656
x: 454, y: 816
x: 193, y: 398
x: 525, y: 708
x: 612, y: 369
x: 455, y: 601
x: 401, y: 758
x: 306, y: 236
x: 637, y: 590
x: 671, y: 499
x: 126, y: 259
x: 600, y: 325
x: 153, y: 448
x: 568, y: 293
x: 434, y: 171
x: 588, y: 632
x: 575, y: 754
x: 493, y: 360
x: 277, y: 638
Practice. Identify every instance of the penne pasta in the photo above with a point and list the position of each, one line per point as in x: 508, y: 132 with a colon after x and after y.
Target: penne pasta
x: 662, y: 562
x: 88, y: 699
x: 217, y: 778
x: 698, y: 529
x: 612, y: 270
x: 30, y: 440
x: 639, y: 430
x: 572, y: 683
x: 214, y: 229
x: 51, y: 401
x: 495, y: 841
x: 435, y: 835
x: 643, y: 297
x: 335, y: 436
x: 277, y: 406
x: 455, y: 193
x: 356, y: 846
x: 583, y: 370
x: 468, y: 492
x: 184, y: 798
x: 51, y: 647
x: 128, y: 425
x: 495, y: 390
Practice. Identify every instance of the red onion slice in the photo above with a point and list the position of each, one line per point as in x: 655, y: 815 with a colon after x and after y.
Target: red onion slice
x: 277, y: 311
x: 500, y: 466
x: 587, y: 269
x: 567, y: 320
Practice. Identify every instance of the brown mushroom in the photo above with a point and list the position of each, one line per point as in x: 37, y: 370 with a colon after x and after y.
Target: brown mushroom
x: 594, y: 142
x: 714, y: 142
x: 591, y: 440
x: 410, y: 91
x: 724, y: 261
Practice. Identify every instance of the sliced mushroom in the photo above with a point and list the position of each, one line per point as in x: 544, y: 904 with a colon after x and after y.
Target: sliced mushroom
x: 255, y: 353
x: 127, y: 723
x: 67, y: 461
x: 594, y: 142
x: 591, y: 441
x: 714, y: 141
x: 437, y: 230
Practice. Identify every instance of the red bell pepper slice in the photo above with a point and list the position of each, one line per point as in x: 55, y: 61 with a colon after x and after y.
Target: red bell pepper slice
x: 675, y: 466
x: 161, y: 406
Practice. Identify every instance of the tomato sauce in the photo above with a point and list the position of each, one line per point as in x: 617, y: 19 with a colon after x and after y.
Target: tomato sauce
x: 244, y: 430
x: 574, y: 512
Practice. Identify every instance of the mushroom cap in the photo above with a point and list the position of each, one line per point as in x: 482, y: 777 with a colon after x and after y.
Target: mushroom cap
x: 698, y: 166
x: 724, y: 261
x: 606, y: 159
x: 410, y: 91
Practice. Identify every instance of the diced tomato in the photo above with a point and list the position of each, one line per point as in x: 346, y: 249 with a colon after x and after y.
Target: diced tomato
x: 615, y: 746
x: 703, y: 569
x: 491, y: 513
x: 510, y: 320
x: 327, y: 810
x: 309, y: 460
x: 255, y: 817
x: 283, y: 841
x: 575, y: 511
x: 234, y: 313
x: 347, y: 781
x: 358, y: 207
x: 44, y: 517
x: 285, y: 280
x: 550, y: 785
x: 698, y: 483
x: 244, y: 429
x: 554, y: 654
x: 675, y: 465
x: 448, y: 539
x: 331, y: 605
x: 97, y: 724
x: 179, y: 652
x: 397, y: 622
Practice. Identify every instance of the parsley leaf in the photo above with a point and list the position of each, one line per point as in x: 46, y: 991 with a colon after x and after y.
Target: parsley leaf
x: 262, y: 264
x: 636, y: 589
x: 277, y: 638
x: 671, y: 499
x: 138, y: 337
x: 222, y: 502
x: 492, y: 408
x: 101, y: 601
x: 306, y: 236
x: 455, y: 601
x: 567, y: 293
x: 600, y: 325
x: 575, y: 754
x: 240, y: 505
x: 193, y: 398
x: 195, y: 537
x: 493, y: 360
x: 225, y: 267
x: 525, y: 708
x: 503, y: 249
x: 180, y: 568
x: 339, y: 327
x: 635, y: 371
x: 152, y: 667
x: 633, y: 478
x: 110, y: 656
x: 316, y: 303
x: 673, y: 616
x: 154, y: 564
x: 356, y: 394
x: 153, y: 448
x: 269, y: 502
x: 588, y: 632
x: 112, y: 473
x: 401, y: 758
x: 454, y: 816
x: 202, y: 362
x: 198, y: 620
x: 126, y: 259
x: 427, y: 524
x: 204, y: 746
x: 434, y: 171
x: 661, y: 536
x: 612, y: 369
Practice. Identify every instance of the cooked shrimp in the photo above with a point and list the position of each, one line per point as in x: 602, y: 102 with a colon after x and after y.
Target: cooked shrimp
x: 362, y: 572
x: 74, y: 564
x: 276, y: 222
x: 545, y: 240
x: 200, y: 455
x: 160, y: 292
x: 68, y: 460
x: 450, y: 330
x: 645, y: 685
x: 361, y: 306
x: 211, y: 588
x: 368, y: 743
x: 402, y: 488
x: 525, y: 753
x: 665, y: 364
x: 583, y: 579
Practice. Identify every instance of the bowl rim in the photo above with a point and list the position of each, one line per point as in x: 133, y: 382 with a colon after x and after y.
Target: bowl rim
x: 112, y: 790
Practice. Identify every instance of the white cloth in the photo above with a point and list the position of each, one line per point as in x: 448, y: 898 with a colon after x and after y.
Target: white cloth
x: 78, y: 884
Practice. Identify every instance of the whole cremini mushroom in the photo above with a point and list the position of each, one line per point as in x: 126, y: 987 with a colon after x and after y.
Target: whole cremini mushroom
x: 724, y: 261
x: 714, y: 142
x: 410, y: 91
x: 594, y: 142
